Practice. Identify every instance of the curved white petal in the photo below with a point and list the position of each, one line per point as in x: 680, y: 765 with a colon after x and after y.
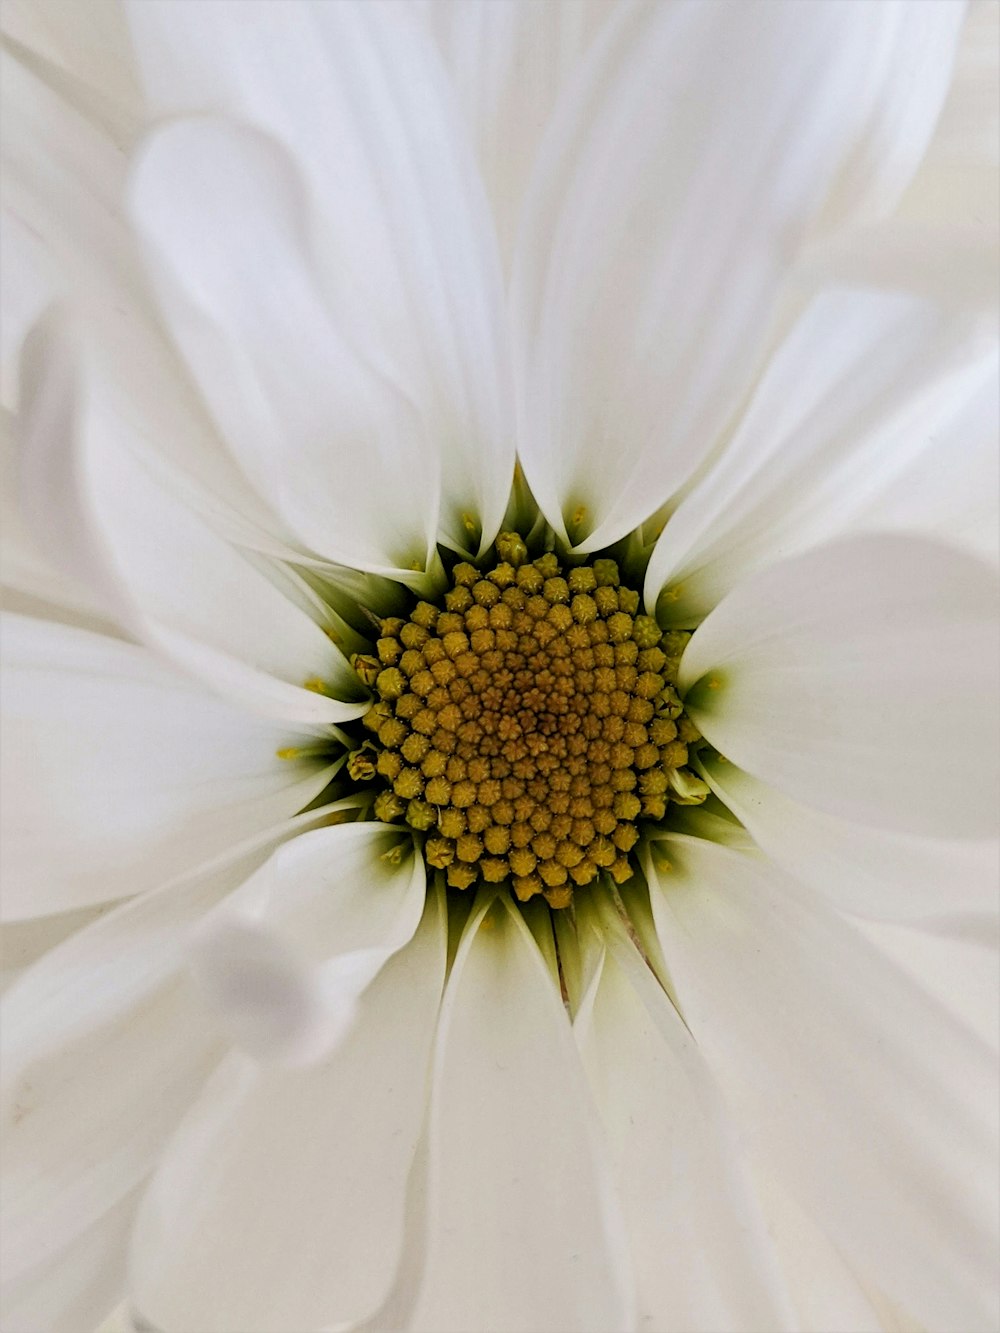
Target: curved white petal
x: 90, y: 45
x: 314, y: 1165
x: 523, y: 1232
x: 678, y: 182
x: 510, y: 63
x: 65, y: 237
x: 864, y: 408
x: 105, y: 1044
x: 285, y: 961
x: 27, y: 577
x: 401, y: 284
x: 944, y: 238
x: 957, y: 265
x: 826, y: 1293
x: 860, y: 678
x: 956, y: 496
x: 870, y: 872
x: 119, y: 773
x: 180, y: 587
x: 866, y: 1099
x: 960, y: 973
x: 76, y: 1288
x: 701, y: 1253
x: 23, y: 942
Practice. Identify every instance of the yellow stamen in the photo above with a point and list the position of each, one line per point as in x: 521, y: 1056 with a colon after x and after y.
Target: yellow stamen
x: 527, y: 723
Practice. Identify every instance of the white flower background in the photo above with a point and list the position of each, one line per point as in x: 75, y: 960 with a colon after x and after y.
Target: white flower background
x: 287, y: 289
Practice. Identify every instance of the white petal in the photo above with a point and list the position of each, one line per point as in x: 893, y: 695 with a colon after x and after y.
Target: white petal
x: 105, y: 1044
x: 24, y: 942
x: 871, y: 872
x: 180, y: 587
x: 956, y: 265
x: 827, y: 1294
x: 522, y: 1228
x: 865, y: 1098
x: 649, y: 265
x: 955, y: 496
x: 65, y: 238
x: 91, y: 45
x: 285, y: 961
x: 106, y: 1041
x: 860, y: 678
x: 279, y: 1205
x: 402, y: 242
x: 337, y: 448
x: 862, y: 405
x: 944, y: 239
x: 119, y: 773
x: 76, y: 1288
x: 61, y: 179
x: 961, y: 973
x: 510, y: 63
x: 702, y: 1256
x: 28, y: 577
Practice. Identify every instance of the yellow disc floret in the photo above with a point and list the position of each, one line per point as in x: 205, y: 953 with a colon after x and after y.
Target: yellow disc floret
x: 528, y: 724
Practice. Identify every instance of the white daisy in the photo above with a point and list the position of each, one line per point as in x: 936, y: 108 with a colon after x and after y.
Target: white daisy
x: 473, y: 896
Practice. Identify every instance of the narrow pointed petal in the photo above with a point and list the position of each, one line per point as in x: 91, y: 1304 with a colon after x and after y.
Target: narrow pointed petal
x: 864, y: 1097
x: 701, y: 1252
x: 871, y: 872
x: 119, y: 773
x: 649, y: 265
x: 284, y: 962
x: 516, y: 1165
x: 116, y: 521
x: 319, y: 1238
x: 403, y: 274
x: 860, y: 678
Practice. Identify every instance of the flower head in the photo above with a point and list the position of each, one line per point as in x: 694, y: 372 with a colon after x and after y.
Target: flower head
x: 500, y: 694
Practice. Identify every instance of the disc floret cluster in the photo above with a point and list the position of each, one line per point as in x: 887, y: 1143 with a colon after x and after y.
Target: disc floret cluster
x: 528, y: 724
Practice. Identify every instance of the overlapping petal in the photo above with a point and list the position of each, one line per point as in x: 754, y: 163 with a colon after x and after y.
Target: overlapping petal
x: 320, y: 1207
x: 650, y: 264
x: 388, y: 313
x: 65, y: 237
x: 515, y: 1168
x: 285, y: 960
x: 873, y: 1106
x: 182, y: 775
x: 510, y: 63
x: 874, y: 413
x: 700, y: 1251
x: 871, y: 872
x: 80, y: 1284
x: 115, y: 521
x: 860, y: 678
x: 106, y: 1042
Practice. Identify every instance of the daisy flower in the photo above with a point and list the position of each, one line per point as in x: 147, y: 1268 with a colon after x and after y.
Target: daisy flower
x: 500, y: 735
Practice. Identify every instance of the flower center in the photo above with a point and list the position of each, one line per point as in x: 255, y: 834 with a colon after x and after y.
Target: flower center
x: 527, y: 724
